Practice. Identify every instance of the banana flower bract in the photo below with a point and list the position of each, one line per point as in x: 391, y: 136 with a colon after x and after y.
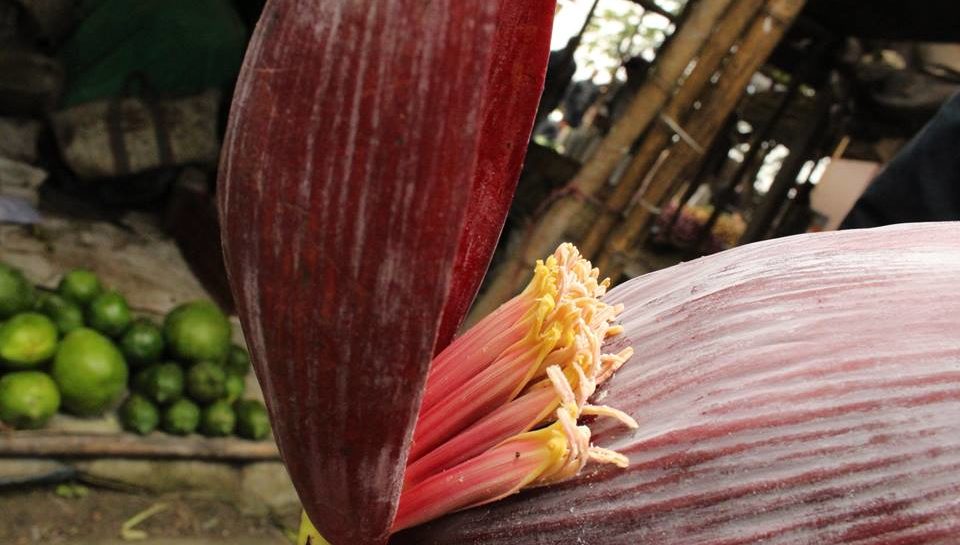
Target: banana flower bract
x: 795, y: 391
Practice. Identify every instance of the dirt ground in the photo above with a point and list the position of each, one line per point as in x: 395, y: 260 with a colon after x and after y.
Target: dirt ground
x: 40, y: 515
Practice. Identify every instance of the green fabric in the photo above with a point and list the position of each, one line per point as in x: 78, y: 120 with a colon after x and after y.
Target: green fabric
x: 181, y: 47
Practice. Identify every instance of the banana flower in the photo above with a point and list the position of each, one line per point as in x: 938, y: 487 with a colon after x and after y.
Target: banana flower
x: 802, y: 390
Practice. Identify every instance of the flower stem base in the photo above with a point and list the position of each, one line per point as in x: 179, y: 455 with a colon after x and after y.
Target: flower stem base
x: 308, y: 534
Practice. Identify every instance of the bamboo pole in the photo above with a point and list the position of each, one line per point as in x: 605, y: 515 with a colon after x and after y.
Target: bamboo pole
x: 757, y: 44
x: 728, y: 31
x: 550, y: 228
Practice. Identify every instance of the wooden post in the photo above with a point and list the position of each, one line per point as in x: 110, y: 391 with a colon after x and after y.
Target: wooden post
x: 41, y: 443
x: 757, y: 44
x: 728, y: 31
x: 550, y: 229
x: 749, y: 164
x: 786, y: 177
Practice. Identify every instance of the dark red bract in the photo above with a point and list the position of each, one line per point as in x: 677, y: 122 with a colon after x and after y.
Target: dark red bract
x: 362, y: 136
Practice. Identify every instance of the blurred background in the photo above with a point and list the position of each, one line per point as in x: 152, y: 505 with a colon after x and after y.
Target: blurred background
x: 127, y: 408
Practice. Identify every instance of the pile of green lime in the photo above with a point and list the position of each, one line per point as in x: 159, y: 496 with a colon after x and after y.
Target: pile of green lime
x: 80, y: 349
x: 189, y: 377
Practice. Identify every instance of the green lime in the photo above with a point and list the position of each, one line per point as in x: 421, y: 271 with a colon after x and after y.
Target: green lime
x: 197, y: 331
x: 238, y: 361
x: 181, y: 418
x: 218, y: 419
x: 28, y: 399
x: 142, y: 344
x: 234, y: 387
x: 206, y: 382
x: 90, y: 371
x: 16, y: 294
x: 80, y: 286
x: 252, y: 420
x: 162, y: 383
x: 27, y: 340
x: 139, y: 415
x: 108, y: 313
x: 66, y: 314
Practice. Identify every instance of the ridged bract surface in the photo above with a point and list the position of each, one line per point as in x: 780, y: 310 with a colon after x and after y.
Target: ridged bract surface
x: 521, y: 45
x: 804, y: 390
x: 360, y: 143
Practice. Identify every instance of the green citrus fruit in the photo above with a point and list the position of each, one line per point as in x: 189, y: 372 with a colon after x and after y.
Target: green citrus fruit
x: 234, y: 387
x: 238, y: 361
x: 162, y: 383
x: 108, y: 313
x: 181, y: 418
x: 80, y: 286
x: 66, y: 314
x: 27, y: 340
x: 142, y: 344
x: 90, y: 371
x: 16, y: 294
x: 252, y: 420
x: 206, y: 382
x: 218, y: 419
x: 28, y: 399
x: 139, y: 415
x: 197, y: 331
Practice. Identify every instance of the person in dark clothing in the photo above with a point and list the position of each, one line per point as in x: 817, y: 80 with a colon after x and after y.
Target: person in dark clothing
x: 560, y: 69
x: 580, y: 96
x: 636, y: 69
x: 921, y: 183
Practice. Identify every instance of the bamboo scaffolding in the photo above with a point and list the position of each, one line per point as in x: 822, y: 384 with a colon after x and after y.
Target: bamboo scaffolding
x: 728, y: 31
x: 758, y: 42
x: 550, y: 228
